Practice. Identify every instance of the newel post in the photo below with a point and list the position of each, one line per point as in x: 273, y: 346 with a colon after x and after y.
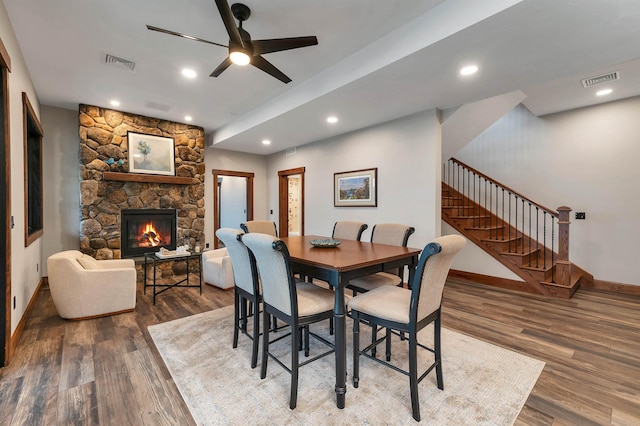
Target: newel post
x: 563, y: 265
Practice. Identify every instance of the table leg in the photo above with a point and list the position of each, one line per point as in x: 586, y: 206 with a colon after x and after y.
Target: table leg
x: 144, y: 287
x: 339, y: 315
x: 188, y: 283
x: 154, y: 281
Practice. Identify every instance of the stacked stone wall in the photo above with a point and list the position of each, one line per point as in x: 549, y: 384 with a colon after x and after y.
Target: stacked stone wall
x: 104, y: 148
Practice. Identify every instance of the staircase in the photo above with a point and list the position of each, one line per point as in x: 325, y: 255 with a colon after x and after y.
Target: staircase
x: 529, y: 239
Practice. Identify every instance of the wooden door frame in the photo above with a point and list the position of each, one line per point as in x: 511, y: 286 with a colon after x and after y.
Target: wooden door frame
x: 216, y: 216
x: 5, y: 321
x: 283, y: 200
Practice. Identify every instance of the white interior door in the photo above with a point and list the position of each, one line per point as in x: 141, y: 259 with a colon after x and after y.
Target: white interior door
x: 233, y: 201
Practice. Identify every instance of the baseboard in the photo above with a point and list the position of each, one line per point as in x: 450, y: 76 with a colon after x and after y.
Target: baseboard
x: 612, y: 287
x: 493, y: 281
x: 15, y: 337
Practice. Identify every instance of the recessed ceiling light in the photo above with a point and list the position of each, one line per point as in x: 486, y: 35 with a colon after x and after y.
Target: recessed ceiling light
x: 189, y: 73
x: 115, y: 103
x: 332, y: 119
x: 603, y: 92
x: 266, y: 142
x: 188, y: 118
x: 468, y: 70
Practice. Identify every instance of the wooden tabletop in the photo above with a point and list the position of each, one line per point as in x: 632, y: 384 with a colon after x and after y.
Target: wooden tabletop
x: 349, y: 255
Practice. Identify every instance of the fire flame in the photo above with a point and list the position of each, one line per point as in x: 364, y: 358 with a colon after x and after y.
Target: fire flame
x: 151, y: 236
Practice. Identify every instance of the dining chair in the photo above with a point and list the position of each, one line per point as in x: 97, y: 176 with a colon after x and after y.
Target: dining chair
x: 384, y: 233
x: 246, y: 290
x: 408, y: 311
x: 348, y: 230
x: 297, y: 304
x: 261, y: 226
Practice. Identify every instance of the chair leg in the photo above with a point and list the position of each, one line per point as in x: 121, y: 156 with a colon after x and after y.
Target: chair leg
x: 256, y: 335
x: 413, y: 375
x: 245, y: 313
x: 306, y: 341
x: 236, y: 318
x: 356, y: 349
x: 265, y: 345
x: 388, y: 344
x: 331, y: 326
x: 437, y: 353
x: 300, y: 339
x: 374, y: 337
x: 293, y: 399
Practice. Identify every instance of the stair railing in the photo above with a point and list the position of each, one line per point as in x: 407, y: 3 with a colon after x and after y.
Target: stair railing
x: 510, y: 216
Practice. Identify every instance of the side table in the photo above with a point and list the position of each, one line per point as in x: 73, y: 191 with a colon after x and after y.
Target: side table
x: 150, y: 259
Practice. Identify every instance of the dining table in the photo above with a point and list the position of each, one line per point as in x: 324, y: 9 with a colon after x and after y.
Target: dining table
x: 337, y: 265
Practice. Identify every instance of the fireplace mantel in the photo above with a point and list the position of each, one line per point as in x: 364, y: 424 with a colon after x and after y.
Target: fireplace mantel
x: 136, y: 177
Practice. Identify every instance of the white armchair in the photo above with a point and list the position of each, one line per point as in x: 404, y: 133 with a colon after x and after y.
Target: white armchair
x: 216, y: 268
x: 83, y: 287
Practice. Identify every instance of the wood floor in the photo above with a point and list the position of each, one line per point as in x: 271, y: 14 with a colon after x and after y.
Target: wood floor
x: 106, y: 371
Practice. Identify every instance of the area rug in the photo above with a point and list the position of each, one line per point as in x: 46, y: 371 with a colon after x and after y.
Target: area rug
x: 483, y: 384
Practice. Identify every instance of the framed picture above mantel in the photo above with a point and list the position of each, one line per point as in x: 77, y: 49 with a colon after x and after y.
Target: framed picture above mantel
x: 357, y: 188
x: 151, y: 154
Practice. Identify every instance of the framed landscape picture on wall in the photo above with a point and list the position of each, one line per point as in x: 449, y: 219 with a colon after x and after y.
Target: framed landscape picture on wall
x: 357, y: 188
x: 151, y: 154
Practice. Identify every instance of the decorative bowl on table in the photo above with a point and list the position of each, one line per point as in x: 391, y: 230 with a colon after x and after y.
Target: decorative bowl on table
x: 325, y: 243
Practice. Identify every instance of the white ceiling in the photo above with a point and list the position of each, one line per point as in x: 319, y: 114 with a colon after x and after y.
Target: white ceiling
x: 376, y: 60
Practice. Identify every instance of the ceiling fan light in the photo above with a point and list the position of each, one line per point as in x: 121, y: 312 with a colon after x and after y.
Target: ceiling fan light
x: 239, y: 57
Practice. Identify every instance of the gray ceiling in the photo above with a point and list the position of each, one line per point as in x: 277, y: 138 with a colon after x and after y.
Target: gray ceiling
x: 376, y: 60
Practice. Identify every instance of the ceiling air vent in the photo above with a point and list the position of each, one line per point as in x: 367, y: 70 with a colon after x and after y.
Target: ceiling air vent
x: 119, y: 62
x: 289, y: 151
x: 158, y: 106
x: 592, y: 81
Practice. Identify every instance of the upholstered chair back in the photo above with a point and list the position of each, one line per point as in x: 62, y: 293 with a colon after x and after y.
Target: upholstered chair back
x: 348, y: 230
x: 391, y: 233
x: 239, y: 255
x: 260, y: 226
x: 432, y: 272
x: 272, y: 258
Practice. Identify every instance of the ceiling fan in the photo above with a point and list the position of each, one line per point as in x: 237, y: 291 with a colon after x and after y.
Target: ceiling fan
x: 243, y: 50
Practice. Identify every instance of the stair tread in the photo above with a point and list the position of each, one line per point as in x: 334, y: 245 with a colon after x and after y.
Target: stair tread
x: 516, y: 253
x: 486, y: 228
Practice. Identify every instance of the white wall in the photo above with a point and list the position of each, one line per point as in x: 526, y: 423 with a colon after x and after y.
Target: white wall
x: 238, y: 162
x: 25, y: 261
x: 407, y: 154
x: 61, y: 185
x: 586, y: 159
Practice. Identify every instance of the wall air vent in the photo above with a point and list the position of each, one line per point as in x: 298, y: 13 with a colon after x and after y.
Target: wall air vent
x: 289, y: 151
x: 605, y: 78
x: 121, y: 63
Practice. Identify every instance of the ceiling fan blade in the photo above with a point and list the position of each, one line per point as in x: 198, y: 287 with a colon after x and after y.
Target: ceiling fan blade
x: 229, y: 22
x: 162, y: 30
x: 279, y: 44
x: 223, y: 66
x: 266, y: 66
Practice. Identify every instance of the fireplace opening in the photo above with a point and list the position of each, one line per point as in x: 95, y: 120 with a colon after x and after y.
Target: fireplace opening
x: 147, y: 230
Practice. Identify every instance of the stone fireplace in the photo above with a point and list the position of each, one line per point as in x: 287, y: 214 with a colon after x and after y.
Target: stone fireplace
x: 107, y: 188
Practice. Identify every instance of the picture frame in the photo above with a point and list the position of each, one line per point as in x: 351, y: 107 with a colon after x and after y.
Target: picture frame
x: 357, y: 188
x: 151, y: 154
